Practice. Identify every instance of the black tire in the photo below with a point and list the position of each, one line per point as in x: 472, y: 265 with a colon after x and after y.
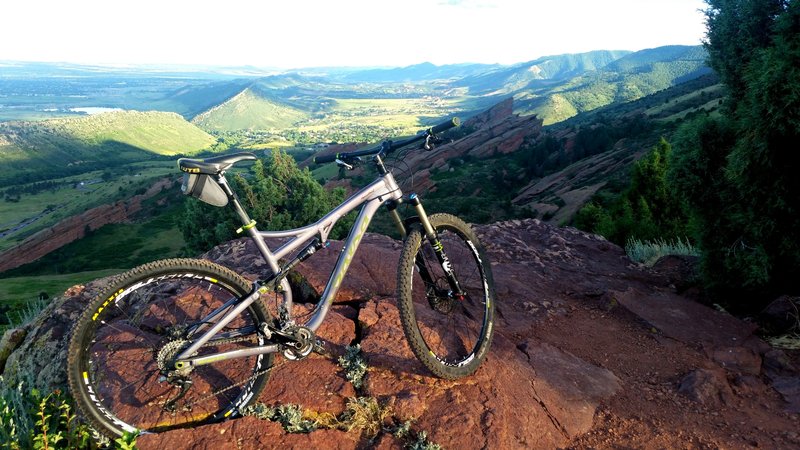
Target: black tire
x: 139, y: 320
x: 449, y: 336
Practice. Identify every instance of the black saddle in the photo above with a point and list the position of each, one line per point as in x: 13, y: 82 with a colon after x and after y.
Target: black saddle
x: 215, y: 165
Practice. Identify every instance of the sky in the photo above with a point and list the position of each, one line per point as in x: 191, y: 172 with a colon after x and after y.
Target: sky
x: 334, y: 33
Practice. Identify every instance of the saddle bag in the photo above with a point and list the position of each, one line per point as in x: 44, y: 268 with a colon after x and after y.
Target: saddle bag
x: 204, y: 188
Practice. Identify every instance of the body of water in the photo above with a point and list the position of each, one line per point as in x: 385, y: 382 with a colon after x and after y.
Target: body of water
x: 94, y: 110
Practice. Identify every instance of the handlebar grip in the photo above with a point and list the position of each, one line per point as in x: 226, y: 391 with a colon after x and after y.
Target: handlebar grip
x: 454, y: 122
x: 326, y: 158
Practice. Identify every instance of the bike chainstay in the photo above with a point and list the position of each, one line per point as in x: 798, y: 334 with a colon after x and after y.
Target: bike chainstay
x: 316, y: 348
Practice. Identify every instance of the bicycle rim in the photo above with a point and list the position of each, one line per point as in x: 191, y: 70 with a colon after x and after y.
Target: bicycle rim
x: 453, y: 331
x: 130, y: 341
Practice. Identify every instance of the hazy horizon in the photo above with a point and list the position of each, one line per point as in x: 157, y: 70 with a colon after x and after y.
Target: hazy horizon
x: 349, y: 33
x: 300, y: 69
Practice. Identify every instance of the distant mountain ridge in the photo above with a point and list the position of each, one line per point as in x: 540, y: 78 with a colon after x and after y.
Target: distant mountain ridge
x: 554, y: 87
x: 419, y: 72
x: 554, y: 68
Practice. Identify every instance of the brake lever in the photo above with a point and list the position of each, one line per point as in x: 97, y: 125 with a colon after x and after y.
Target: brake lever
x: 430, y: 142
x: 356, y: 162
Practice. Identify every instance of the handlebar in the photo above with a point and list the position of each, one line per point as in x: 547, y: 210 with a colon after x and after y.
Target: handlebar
x: 390, y: 146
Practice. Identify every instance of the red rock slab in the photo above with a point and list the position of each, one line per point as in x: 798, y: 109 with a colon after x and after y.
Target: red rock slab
x: 537, y: 398
x: 685, y: 320
x: 247, y: 433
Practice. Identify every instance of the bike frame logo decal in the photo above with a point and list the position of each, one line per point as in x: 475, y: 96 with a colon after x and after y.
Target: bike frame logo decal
x: 349, y: 252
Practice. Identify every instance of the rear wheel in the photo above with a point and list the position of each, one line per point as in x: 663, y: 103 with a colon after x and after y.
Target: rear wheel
x: 120, y: 356
x: 449, y: 334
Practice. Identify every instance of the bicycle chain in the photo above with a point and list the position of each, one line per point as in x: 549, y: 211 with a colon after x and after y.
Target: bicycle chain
x: 317, y: 348
x: 246, y: 380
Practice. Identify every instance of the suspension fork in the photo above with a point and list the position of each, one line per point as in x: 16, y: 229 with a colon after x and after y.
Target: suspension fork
x: 433, y: 238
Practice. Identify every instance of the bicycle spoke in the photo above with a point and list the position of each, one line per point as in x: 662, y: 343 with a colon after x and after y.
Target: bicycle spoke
x: 128, y: 351
x: 447, y: 331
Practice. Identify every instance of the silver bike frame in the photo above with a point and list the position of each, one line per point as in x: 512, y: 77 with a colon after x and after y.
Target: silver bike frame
x: 370, y: 198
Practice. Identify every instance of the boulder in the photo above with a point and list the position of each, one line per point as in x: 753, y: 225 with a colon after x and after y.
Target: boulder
x: 543, y: 385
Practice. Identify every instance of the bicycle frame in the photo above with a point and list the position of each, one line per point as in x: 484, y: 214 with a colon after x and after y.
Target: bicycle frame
x: 380, y: 191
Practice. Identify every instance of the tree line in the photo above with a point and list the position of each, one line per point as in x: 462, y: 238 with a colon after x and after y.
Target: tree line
x: 730, y: 181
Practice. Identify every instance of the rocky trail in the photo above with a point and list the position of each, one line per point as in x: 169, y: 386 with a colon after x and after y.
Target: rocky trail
x: 590, y: 351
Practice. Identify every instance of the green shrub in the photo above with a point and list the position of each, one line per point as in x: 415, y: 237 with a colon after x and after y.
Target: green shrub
x: 27, y: 313
x: 354, y: 365
x: 31, y: 419
x: 276, y: 194
x: 647, y: 209
x: 648, y: 252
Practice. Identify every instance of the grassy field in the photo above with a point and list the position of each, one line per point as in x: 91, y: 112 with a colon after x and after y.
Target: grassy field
x: 17, y: 292
x: 372, y: 120
x: 154, y: 235
x: 68, y: 198
x: 325, y: 171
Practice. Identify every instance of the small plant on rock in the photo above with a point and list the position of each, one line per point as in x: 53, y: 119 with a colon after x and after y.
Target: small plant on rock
x: 364, y: 413
x: 289, y: 416
x: 354, y: 365
x: 422, y: 443
x: 648, y: 252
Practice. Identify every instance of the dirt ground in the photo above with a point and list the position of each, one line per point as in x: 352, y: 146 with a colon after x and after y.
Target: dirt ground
x: 649, y: 412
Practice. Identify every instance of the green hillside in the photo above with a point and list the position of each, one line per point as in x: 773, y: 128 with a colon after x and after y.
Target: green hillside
x: 156, y: 132
x: 541, y: 72
x: 191, y: 100
x: 629, y: 78
x: 47, y: 149
x: 249, y: 111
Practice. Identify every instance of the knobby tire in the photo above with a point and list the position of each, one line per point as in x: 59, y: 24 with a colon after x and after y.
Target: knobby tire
x: 128, y: 333
x: 449, y: 336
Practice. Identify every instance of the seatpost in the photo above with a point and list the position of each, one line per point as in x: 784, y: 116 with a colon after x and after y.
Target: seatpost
x: 249, y: 225
x: 234, y: 200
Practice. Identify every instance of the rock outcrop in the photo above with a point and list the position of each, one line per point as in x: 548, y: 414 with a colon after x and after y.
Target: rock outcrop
x: 74, y: 228
x: 591, y: 350
x: 496, y: 131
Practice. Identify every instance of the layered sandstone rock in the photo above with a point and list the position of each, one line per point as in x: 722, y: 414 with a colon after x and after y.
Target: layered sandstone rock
x: 586, y: 343
x: 75, y: 227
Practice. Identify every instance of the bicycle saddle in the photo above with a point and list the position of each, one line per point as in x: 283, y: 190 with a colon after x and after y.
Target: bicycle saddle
x: 215, y: 165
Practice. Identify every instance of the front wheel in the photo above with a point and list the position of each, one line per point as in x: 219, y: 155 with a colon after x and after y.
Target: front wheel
x: 122, y: 348
x: 449, y: 333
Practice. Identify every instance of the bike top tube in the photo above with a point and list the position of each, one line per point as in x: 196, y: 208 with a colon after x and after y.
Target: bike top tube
x: 382, y: 189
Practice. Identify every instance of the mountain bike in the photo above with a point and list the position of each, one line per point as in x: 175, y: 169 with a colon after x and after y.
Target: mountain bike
x: 181, y: 342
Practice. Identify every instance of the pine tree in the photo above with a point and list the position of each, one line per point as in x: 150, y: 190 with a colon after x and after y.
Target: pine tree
x: 276, y: 194
x: 738, y: 173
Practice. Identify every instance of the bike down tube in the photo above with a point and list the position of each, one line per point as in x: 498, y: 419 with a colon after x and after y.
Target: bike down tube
x: 371, y: 196
x: 343, y: 263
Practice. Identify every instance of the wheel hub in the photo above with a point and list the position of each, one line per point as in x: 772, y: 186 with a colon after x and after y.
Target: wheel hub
x: 439, y: 297
x: 166, y: 356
